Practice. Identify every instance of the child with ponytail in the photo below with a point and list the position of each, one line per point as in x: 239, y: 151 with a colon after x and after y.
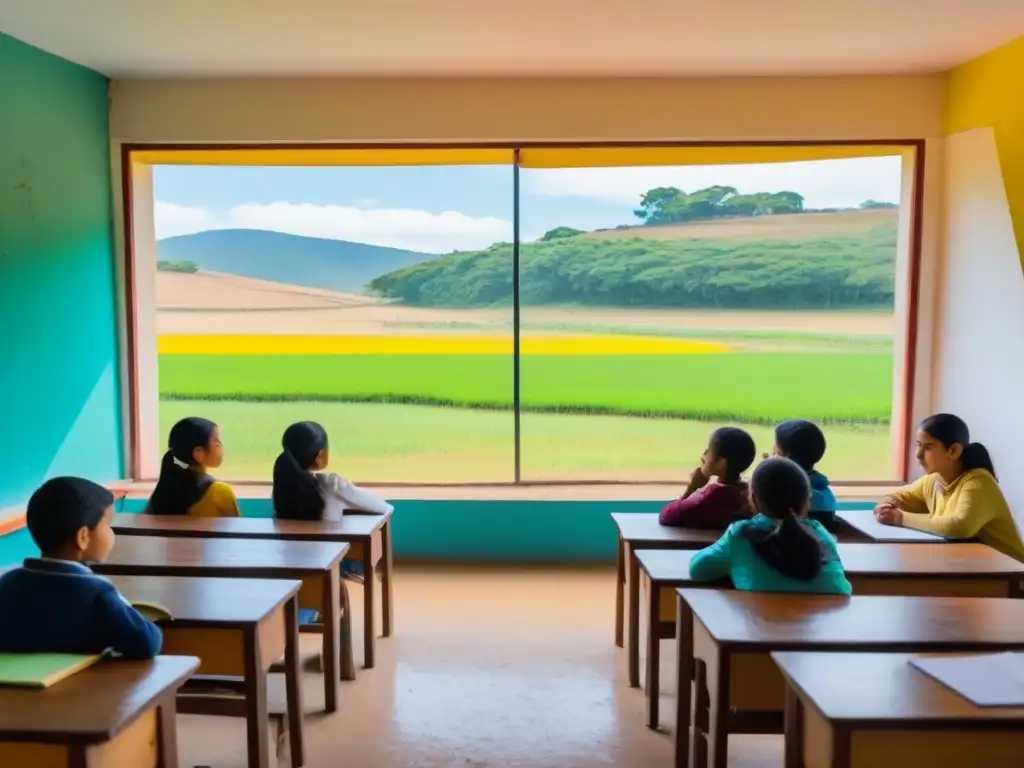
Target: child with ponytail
x: 779, y: 549
x: 959, y: 497
x: 185, y: 487
x: 303, y: 491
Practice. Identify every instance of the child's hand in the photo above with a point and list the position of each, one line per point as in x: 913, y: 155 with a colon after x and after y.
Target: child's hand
x: 698, y: 479
x: 887, y: 514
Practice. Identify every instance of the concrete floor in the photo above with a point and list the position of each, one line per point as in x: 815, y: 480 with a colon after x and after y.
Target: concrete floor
x: 488, y: 667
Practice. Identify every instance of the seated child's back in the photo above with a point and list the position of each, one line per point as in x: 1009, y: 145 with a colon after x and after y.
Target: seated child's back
x: 804, y: 443
x: 185, y: 486
x: 54, y: 603
x: 778, y: 550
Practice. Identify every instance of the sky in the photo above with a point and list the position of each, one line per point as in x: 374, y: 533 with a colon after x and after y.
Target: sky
x: 438, y: 209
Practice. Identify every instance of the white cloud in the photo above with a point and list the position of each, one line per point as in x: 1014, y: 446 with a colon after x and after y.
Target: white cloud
x: 171, y: 220
x: 823, y: 183
x: 416, y: 230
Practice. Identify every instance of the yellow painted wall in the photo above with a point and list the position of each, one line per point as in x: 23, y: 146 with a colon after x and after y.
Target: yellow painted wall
x: 383, y: 110
x: 988, y: 92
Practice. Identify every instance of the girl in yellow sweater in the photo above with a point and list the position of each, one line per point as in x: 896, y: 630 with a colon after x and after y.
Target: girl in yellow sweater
x: 959, y: 497
x: 184, y: 487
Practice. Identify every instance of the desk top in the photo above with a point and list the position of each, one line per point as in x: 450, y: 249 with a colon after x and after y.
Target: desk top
x: 94, y: 705
x: 350, y: 528
x: 889, y: 560
x: 772, y: 621
x: 639, y: 528
x: 864, y: 521
x: 256, y: 558
x: 878, y: 688
x: 209, y: 602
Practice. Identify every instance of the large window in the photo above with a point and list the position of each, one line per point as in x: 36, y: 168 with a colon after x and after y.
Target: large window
x: 642, y: 305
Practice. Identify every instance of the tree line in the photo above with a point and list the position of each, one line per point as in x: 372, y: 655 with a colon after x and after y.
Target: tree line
x: 847, y: 271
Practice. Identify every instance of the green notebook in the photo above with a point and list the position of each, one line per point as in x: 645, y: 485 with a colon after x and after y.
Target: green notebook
x: 41, y: 670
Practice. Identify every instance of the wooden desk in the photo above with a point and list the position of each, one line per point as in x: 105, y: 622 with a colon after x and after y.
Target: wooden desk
x: 237, y: 628
x: 863, y: 520
x: 725, y: 638
x: 926, y: 570
x: 112, y: 715
x: 873, y: 710
x: 316, y: 565
x: 368, y: 537
x: 642, y: 531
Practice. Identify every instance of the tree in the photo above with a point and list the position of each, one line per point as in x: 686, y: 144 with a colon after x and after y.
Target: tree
x: 559, y: 233
x: 189, y: 267
x: 869, y: 205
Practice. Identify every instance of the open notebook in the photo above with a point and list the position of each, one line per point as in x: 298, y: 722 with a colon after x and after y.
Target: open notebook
x: 986, y: 680
x: 152, y: 611
x: 41, y: 670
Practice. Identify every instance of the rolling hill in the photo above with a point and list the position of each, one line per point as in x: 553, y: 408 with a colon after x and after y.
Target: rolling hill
x: 336, y: 265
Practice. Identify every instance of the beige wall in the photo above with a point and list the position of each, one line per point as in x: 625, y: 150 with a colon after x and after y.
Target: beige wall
x: 523, y: 110
x: 979, y: 349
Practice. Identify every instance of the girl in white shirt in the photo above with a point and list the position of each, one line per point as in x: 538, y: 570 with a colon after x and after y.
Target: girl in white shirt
x: 303, y: 491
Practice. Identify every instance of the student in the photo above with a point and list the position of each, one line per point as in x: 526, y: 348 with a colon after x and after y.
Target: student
x: 778, y: 550
x: 959, y: 497
x: 803, y: 442
x: 54, y: 603
x: 705, y: 504
x: 184, y: 487
x: 303, y: 491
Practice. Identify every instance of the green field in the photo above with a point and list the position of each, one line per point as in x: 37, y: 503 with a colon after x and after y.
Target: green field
x: 751, y: 387
x: 407, y: 443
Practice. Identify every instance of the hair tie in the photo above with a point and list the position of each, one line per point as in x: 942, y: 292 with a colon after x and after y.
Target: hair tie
x: 178, y: 462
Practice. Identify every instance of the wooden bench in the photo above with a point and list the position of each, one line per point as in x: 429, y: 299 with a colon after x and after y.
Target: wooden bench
x: 112, y: 715
x: 873, y: 710
x: 238, y: 628
x: 725, y: 638
x: 368, y: 537
x: 315, y: 564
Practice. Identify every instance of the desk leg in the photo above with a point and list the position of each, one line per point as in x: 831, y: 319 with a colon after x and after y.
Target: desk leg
x: 699, y: 740
x: 167, y: 725
x: 293, y: 682
x: 348, y: 662
x: 794, y: 729
x: 387, y: 584
x: 718, y: 732
x: 684, y: 681
x: 256, y: 715
x: 331, y: 602
x: 633, y: 642
x: 369, y: 608
x: 620, y: 592
x: 653, y: 654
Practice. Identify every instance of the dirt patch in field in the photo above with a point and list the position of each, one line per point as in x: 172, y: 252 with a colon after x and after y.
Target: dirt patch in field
x: 178, y: 291
x: 794, y: 226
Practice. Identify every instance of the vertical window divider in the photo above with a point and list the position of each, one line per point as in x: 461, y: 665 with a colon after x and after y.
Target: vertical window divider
x: 516, y: 404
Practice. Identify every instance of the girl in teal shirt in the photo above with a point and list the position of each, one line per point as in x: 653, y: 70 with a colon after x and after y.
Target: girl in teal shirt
x: 779, y: 549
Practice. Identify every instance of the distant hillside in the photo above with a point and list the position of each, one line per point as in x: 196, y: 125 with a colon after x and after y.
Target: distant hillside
x: 823, y: 268
x: 336, y: 265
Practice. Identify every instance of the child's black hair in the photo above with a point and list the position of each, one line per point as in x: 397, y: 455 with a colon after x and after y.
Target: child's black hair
x: 952, y: 430
x: 61, y: 507
x: 179, y: 485
x: 782, y: 492
x: 801, y: 441
x: 296, y: 495
x: 736, y: 447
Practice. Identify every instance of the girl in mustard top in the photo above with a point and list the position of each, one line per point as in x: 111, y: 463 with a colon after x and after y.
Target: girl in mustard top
x: 184, y: 487
x: 959, y: 497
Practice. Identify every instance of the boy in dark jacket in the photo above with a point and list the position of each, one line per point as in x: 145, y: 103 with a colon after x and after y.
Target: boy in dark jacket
x: 54, y: 603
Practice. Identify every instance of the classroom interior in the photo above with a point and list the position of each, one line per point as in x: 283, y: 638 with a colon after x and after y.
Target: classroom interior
x: 504, y: 644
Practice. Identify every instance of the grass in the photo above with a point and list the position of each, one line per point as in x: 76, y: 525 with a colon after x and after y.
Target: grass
x: 405, y: 443
x: 752, y: 387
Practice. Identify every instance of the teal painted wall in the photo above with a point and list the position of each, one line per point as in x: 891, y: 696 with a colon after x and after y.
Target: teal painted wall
x: 474, y: 531
x: 60, y: 407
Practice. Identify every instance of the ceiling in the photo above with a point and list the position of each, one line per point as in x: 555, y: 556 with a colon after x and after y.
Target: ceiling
x: 629, y: 38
